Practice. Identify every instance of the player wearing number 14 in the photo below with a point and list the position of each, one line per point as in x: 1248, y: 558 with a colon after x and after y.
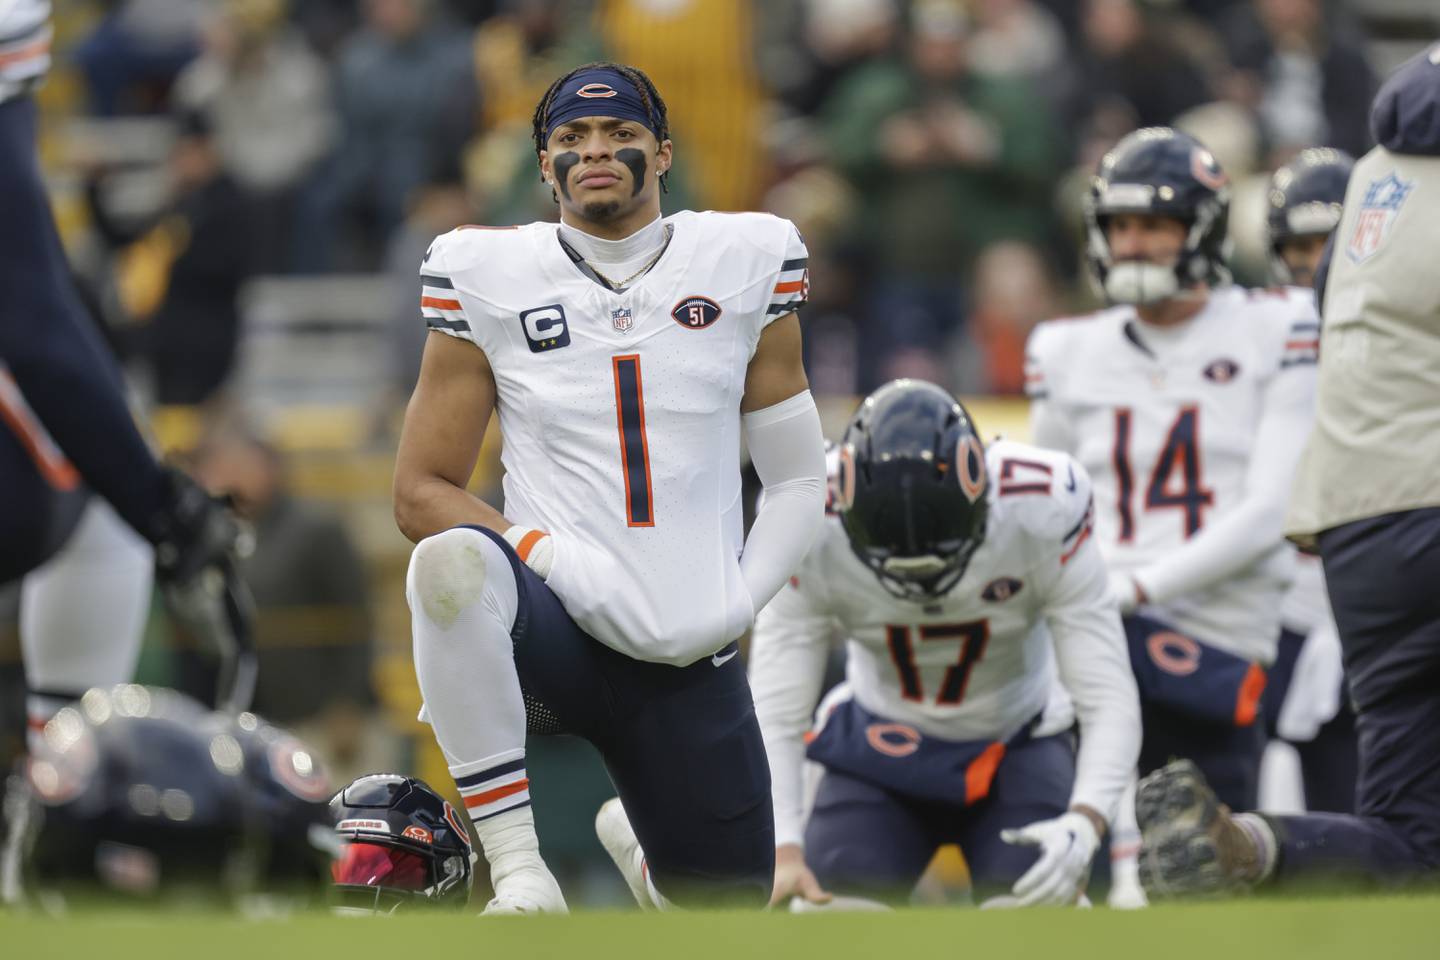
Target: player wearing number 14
x: 1188, y: 402
x: 964, y: 582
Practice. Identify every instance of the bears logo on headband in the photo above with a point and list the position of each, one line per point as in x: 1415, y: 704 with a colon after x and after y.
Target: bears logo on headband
x: 600, y: 92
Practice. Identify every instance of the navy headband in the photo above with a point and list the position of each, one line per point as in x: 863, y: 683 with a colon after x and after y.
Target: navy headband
x: 598, y: 93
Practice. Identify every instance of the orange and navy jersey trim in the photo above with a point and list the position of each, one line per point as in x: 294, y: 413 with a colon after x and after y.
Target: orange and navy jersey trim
x: 440, y: 307
x: 792, y: 287
x: 1302, y: 345
x: 25, y: 38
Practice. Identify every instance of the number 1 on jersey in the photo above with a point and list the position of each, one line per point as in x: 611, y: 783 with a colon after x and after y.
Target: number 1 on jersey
x: 634, y: 446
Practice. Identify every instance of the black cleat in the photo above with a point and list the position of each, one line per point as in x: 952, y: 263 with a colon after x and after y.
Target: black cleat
x: 1190, y: 846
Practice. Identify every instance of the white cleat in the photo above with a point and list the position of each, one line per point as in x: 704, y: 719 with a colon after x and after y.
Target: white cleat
x: 612, y: 826
x: 526, y: 889
x: 1127, y: 897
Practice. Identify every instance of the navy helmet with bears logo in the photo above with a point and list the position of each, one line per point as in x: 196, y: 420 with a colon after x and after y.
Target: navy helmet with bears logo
x: 1163, y: 172
x: 1304, y: 200
x: 404, y: 845
x: 911, y: 488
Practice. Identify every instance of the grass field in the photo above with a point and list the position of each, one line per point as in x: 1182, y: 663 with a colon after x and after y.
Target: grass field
x: 1361, y: 929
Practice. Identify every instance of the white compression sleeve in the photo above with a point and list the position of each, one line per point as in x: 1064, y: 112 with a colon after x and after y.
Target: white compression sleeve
x: 788, y: 650
x: 1095, y: 669
x: 788, y: 450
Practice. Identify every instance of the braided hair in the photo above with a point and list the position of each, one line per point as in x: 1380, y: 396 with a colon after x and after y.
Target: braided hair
x: 649, y: 96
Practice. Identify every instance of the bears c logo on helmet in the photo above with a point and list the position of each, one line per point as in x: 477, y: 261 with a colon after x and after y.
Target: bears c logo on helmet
x: 970, y: 467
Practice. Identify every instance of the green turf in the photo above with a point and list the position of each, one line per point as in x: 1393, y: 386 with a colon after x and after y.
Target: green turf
x: 1361, y: 929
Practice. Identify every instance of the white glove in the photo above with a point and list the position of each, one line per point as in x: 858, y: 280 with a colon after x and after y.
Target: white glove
x: 534, y: 547
x: 1067, y: 845
x: 1125, y: 591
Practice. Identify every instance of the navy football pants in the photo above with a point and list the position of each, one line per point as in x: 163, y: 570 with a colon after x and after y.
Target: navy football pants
x: 681, y: 744
x: 1327, y: 762
x: 863, y: 840
x: 35, y: 517
x: 57, y: 358
x: 1382, y: 574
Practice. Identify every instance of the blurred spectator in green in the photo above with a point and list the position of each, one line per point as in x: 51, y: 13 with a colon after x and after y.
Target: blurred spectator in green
x: 805, y: 49
x: 313, y: 628
x: 1304, y: 73
x: 948, y: 161
x: 406, y: 90
x: 179, y: 269
x: 267, y: 95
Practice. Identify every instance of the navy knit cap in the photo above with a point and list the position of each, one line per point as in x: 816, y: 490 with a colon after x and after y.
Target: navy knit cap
x: 601, y: 92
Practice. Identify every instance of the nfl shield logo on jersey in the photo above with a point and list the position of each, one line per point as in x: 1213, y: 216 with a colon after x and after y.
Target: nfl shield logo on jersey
x: 1382, y: 203
x: 622, y: 320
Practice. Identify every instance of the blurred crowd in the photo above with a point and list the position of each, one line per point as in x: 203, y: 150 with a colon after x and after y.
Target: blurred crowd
x: 928, y: 149
x: 239, y: 172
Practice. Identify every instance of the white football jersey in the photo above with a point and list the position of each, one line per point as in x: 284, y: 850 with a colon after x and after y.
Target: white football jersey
x: 977, y: 663
x: 24, y: 45
x: 1180, y: 428
x: 980, y: 662
x: 620, y: 412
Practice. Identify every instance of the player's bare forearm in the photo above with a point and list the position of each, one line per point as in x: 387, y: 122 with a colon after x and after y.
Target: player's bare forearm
x: 436, y: 505
x: 777, y: 370
x: 1093, y: 815
x: 438, y: 448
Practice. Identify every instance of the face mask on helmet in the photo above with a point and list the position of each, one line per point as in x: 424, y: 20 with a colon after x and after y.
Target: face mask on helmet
x: 926, y: 577
x: 404, y: 845
x: 1160, y: 172
x: 1139, y: 283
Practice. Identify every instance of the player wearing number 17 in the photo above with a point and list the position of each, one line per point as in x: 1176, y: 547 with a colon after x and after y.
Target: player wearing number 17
x: 626, y: 354
x: 1188, y: 401
x: 965, y: 582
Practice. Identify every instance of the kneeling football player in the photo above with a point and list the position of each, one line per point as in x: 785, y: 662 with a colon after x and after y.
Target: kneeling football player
x: 964, y: 581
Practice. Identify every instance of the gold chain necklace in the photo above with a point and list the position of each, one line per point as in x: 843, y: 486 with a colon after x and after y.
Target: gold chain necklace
x: 634, y: 276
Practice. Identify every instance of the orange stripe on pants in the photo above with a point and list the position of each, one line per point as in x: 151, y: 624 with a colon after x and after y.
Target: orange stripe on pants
x: 1247, y: 703
x: 981, y: 772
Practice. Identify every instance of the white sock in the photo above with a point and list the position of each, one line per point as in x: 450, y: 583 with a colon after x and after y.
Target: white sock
x: 509, y: 842
x: 1267, y: 848
x: 1125, y: 842
x: 463, y: 601
x: 83, y: 613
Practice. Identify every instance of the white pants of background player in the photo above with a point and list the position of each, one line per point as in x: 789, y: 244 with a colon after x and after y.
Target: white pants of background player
x: 83, y: 612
